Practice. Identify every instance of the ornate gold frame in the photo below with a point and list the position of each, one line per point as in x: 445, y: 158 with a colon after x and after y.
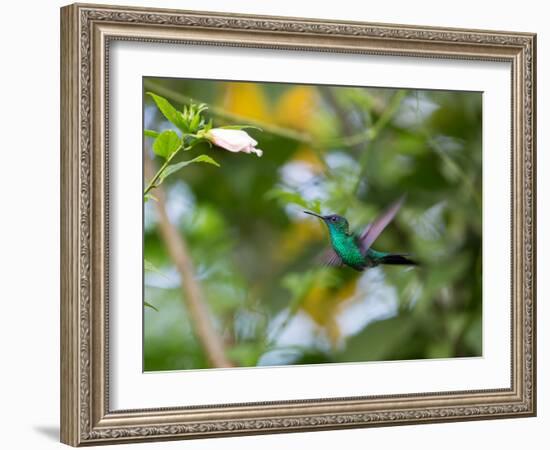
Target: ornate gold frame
x: 86, y: 31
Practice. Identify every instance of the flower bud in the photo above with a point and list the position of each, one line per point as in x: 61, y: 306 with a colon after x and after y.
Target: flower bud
x: 233, y: 140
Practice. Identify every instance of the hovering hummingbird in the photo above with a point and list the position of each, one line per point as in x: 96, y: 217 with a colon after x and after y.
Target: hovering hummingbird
x: 354, y: 250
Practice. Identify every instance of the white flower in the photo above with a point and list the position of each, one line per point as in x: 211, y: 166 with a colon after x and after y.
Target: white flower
x: 233, y: 140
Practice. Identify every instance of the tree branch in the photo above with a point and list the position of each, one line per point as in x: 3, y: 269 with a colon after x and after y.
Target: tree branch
x: 222, y: 113
x: 192, y: 293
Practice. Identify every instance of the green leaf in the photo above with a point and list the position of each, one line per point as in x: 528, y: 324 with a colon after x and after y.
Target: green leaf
x: 150, y: 306
x: 378, y: 341
x: 299, y: 284
x: 175, y: 167
x: 246, y: 353
x: 167, y: 143
x: 171, y: 113
x: 285, y: 197
x: 151, y: 133
x: 194, y: 125
x: 201, y: 108
x: 148, y: 197
x: 147, y: 265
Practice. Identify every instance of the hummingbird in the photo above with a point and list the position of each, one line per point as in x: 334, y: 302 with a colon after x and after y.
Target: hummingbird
x: 353, y: 249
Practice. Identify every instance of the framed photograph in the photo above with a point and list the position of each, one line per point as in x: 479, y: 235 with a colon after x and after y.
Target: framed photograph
x: 276, y: 224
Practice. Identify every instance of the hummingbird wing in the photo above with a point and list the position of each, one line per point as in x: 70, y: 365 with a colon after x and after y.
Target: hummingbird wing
x: 373, y: 230
x: 330, y: 258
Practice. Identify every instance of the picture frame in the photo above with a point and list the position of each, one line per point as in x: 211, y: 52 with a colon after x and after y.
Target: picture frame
x: 87, y: 32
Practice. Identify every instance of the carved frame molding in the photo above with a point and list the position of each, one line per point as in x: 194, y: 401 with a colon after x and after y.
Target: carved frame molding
x: 86, y: 32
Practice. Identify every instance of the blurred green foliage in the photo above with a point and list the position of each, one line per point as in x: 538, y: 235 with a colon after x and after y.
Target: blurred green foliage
x: 344, y: 150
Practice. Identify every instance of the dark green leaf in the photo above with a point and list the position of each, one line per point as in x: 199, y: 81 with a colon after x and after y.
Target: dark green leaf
x: 175, y: 167
x: 171, y: 113
x: 378, y: 340
x: 167, y: 143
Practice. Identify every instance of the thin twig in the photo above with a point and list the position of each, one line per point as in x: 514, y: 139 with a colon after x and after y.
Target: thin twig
x: 191, y: 290
x: 276, y: 130
x: 350, y: 140
x: 160, y: 89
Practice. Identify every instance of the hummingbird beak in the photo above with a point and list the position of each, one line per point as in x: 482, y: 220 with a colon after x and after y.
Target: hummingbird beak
x: 314, y: 214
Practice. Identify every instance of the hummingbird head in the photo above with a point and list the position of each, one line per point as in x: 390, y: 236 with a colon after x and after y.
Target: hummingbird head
x: 333, y: 221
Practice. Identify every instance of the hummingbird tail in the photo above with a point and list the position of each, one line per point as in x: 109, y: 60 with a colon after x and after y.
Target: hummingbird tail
x: 398, y: 260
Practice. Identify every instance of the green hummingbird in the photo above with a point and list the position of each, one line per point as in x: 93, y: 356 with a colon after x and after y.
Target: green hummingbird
x: 354, y: 250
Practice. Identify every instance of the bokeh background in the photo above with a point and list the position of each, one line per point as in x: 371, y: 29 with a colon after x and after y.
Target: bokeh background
x: 345, y: 150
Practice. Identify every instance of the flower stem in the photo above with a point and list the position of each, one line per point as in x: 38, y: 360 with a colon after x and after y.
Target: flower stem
x: 152, y: 183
